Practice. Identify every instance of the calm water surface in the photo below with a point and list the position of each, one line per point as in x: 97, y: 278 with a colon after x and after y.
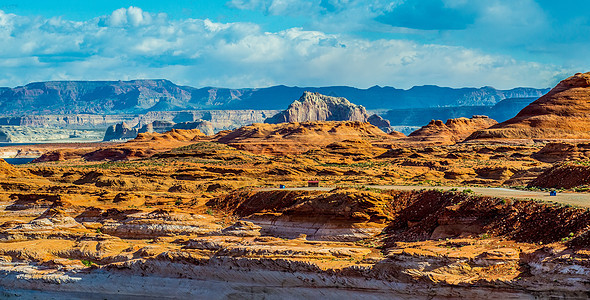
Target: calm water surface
x: 19, y: 160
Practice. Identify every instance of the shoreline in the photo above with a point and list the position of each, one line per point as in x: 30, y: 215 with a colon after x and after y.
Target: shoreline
x: 34, y: 150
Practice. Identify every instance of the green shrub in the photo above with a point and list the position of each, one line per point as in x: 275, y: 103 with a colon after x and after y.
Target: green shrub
x: 86, y: 262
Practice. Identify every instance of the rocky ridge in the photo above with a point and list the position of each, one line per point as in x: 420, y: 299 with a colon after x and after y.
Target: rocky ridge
x: 141, y: 96
x: 562, y: 113
x: 300, y: 137
x: 451, y: 132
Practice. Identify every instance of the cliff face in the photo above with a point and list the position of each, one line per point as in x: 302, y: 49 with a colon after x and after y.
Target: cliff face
x: 564, y: 112
x: 119, y: 132
x: 123, y: 131
x: 220, y: 119
x: 317, y: 107
x: 72, y: 121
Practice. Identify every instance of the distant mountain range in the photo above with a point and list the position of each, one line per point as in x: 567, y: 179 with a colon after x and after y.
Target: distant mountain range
x: 142, y: 96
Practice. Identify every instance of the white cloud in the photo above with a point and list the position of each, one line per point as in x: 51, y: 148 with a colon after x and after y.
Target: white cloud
x: 133, y: 16
x: 131, y: 43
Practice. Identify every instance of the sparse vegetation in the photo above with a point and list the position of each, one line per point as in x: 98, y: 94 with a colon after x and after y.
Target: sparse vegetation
x: 87, y: 263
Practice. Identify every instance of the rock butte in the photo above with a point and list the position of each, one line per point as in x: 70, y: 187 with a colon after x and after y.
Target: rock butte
x: 318, y: 107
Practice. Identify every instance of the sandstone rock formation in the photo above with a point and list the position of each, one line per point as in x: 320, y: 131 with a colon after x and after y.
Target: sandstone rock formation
x: 172, y: 135
x: 298, y: 137
x: 453, y: 131
x: 196, y: 218
x: 120, y: 131
x: 565, y: 175
x: 123, y: 131
x: 205, y: 127
x: 318, y: 107
x: 378, y: 121
x: 157, y: 126
x: 220, y: 119
x: 383, y: 124
x: 560, y: 151
x: 6, y: 170
x: 563, y: 113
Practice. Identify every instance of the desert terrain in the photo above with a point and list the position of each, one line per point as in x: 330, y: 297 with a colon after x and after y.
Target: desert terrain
x: 457, y: 209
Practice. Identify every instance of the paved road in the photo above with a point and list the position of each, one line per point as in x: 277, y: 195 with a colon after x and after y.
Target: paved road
x: 578, y: 199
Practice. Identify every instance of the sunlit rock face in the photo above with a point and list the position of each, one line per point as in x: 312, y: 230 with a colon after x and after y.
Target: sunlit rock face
x: 318, y: 107
x: 563, y: 113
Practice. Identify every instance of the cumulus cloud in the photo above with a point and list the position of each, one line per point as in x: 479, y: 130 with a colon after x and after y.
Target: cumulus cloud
x: 132, y: 16
x: 131, y: 43
x: 541, y: 30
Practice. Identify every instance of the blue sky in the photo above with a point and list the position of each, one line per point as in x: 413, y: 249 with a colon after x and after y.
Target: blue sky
x: 258, y: 43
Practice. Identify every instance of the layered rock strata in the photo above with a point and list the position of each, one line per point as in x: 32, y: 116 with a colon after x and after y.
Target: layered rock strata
x: 563, y: 113
x: 453, y: 131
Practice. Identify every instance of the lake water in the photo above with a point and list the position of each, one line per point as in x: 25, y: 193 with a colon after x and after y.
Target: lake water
x: 16, y: 144
x: 19, y: 160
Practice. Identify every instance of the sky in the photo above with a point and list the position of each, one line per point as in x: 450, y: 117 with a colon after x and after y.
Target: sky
x: 260, y: 43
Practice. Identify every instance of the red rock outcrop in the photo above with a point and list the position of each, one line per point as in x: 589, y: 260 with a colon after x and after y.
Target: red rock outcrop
x: 453, y: 131
x: 298, y: 137
x: 7, y: 170
x: 172, y: 135
x: 563, y: 113
x: 566, y: 175
x: 554, y: 152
